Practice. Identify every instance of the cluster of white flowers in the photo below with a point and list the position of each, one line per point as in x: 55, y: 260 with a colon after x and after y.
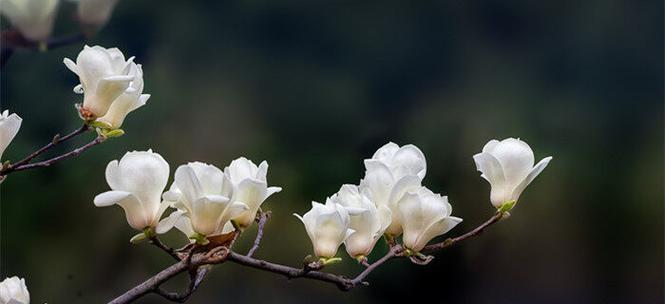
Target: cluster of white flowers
x: 14, y: 291
x: 207, y: 200
x: 35, y: 18
x: 112, y: 86
x: 389, y: 200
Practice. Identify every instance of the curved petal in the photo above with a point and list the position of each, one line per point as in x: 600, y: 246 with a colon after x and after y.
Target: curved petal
x: 188, y: 184
x: 9, y: 126
x: 516, y: 159
x: 409, y: 160
x: 530, y: 177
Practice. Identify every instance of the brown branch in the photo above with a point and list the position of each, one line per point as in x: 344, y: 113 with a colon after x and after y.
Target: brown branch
x: 195, y: 279
x: 342, y: 282
x: 51, y: 161
x: 261, y: 219
x: 475, y: 232
x: 170, y: 251
x: 57, y: 139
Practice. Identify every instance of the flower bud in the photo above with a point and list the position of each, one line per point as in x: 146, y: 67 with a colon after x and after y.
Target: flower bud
x: 128, y: 101
x: 9, y: 126
x: 137, y: 182
x: 367, y: 221
x: 424, y: 215
x: 508, y: 166
x: 14, y: 291
x: 33, y: 18
x: 327, y: 226
x: 202, y: 193
x: 104, y: 75
x: 250, y: 187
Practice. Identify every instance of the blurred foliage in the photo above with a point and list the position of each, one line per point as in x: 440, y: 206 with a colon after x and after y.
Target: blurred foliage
x: 316, y: 86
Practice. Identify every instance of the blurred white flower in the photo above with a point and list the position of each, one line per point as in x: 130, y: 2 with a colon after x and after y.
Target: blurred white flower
x: 367, y: 221
x: 137, y: 182
x: 104, y: 75
x: 128, y: 101
x: 33, y: 18
x: 327, y: 226
x: 390, y: 173
x: 14, y: 291
x: 424, y: 215
x: 95, y: 13
x: 202, y: 193
x: 508, y: 166
x: 9, y: 126
x: 250, y: 187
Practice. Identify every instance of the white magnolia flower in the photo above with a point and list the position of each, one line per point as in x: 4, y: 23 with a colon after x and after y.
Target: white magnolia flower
x: 250, y: 187
x: 14, y: 291
x: 128, y: 101
x: 368, y: 221
x: 95, y: 13
x: 104, y: 75
x: 137, y: 182
x: 9, y: 126
x: 508, y: 166
x: 327, y: 226
x: 424, y: 216
x: 33, y: 18
x: 202, y: 193
x: 390, y: 173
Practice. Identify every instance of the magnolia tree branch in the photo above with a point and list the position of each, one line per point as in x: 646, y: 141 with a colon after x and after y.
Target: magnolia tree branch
x: 261, y: 219
x: 312, y: 271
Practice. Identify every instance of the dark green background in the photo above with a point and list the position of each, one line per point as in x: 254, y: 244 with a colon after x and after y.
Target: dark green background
x: 316, y: 86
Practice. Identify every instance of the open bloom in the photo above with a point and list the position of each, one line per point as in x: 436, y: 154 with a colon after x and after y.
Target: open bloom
x: 250, y: 187
x: 137, y: 182
x: 104, y: 75
x: 9, y: 126
x: 14, y: 291
x: 367, y: 221
x: 95, y: 13
x: 424, y: 215
x: 327, y: 226
x: 130, y: 100
x: 508, y: 166
x: 391, y: 172
x: 202, y: 193
x: 33, y: 18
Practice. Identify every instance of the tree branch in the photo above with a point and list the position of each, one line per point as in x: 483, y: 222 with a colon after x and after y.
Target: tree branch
x: 261, y: 219
x: 51, y: 161
x: 12, y: 39
x: 158, y: 243
x: 342, y: 282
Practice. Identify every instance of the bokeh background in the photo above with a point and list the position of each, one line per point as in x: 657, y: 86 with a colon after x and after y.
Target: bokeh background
x: 316, y: 86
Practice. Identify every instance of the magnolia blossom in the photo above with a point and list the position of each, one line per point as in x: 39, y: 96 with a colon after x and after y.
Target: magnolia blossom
x: 390, y: 173
x: 327, y: 226
x: 14, y: 291
x: 95, y: 13
x: 33, y: 18
x: 202, y: 193
x: 424, y: 215
x: 508, y: 166
x: 250, y: 187
x: 137, y: 182
x: 104, y: 75
x: 128, y: 101
x: 368, y: 222
x: 9, y: 126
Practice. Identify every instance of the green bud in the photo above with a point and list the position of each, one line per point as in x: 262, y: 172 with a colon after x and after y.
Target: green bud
x: 507, y: 206
x: 139, y: 238
x: 113, y: 133
x: 200, y: 239
x: 329, y: 261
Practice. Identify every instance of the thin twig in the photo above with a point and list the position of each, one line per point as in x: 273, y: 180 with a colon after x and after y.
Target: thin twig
x: 475, y: 232
x: 57, y: 139
x: 262, y: 218
x: 51, y: 161
x: 170, y: 251
x: 195, y: 280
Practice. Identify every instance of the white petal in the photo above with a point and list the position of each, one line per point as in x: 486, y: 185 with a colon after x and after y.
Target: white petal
x: 529, y: 178
x: 516, y: 159
x: 9, y: 126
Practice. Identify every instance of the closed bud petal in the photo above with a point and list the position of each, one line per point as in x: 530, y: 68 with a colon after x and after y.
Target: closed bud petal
x: 508, y: 166
x: 14, y: 291
x: 137, y: 182
x: 130, y: 100
x: 105, y: 75
x: 327, y: 226
x: 9, y: 126
x: 250, y: 187
x: 424, y: 215
x: 202, y: 193
x: 33, y: 18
